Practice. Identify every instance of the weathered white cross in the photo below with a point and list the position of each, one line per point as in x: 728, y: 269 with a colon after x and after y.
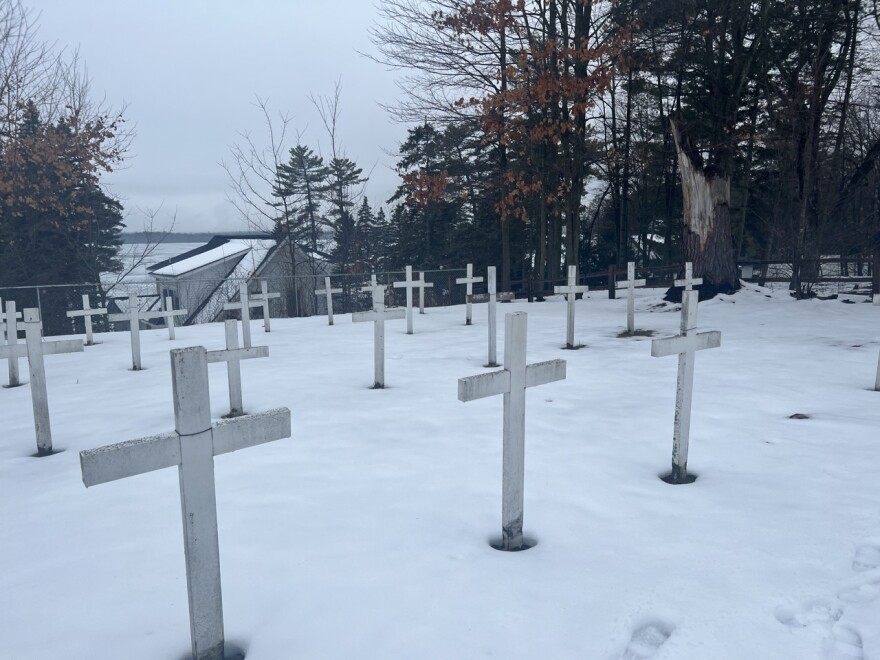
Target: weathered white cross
x: 512, y: 382
x: 629, y: 284
x: 232, y: 356
x: 191, y: 447
x: 469, y: 280
x: 263, y: 298
x: 10, y: 327
x: 689, y: 281
x: 409, y: 284
x: 168, y: 314
x: 244, y: 305
x: 685, y: 346
x: 491, y: 296
x: 87, y: 312
x: 571, y: 291
x: 34, y: 349
x: 3, y: 318
x: 422, y: 285
x: 134, y: 317
x: 329, y: 293
x: 378, y: 315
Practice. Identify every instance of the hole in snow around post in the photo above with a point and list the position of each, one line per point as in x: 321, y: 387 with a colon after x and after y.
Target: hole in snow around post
x: 799, y: 416
x: 689, y: 478
x: 497, y: 544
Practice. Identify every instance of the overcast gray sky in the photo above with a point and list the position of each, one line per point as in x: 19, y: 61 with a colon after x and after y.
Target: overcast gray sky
x: 189, y: 71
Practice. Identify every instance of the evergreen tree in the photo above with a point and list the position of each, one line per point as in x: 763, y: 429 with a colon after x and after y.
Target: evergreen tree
x: 343, y: 178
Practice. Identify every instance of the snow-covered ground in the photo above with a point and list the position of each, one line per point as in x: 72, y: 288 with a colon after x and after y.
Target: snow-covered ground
x: 365, y: 534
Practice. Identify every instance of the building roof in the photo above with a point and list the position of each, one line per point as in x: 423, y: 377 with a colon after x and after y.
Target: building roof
x: 250, y: 247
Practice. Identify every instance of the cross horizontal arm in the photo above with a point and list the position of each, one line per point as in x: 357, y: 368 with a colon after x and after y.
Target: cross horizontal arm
x: 395, y: 313
x: 325, y: 290
x: 119, y: 317
x: 87, y: 312
x: 251, y: 430
x: 62, y: 346
x: 237, y: 354
x: 483, y: 385
x: 364, y: 316
x: 468, y: 280
x: 696, y: 281
x: 13, y: 351
x: 685, y: 343
x: 126, y: 459
x: 581, y: 288
x: 541, y: 373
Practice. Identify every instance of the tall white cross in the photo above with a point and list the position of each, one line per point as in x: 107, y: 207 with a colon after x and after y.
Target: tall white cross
x: 263, y: 298
x: 34, y: 349
x: 689, y: 281
x: 469, y: 280
x: 571, y: 292
x: 685, y: 346
x: 422, y: 285
x: 629, y: 284
x: 87, y: 312
x: 232, y: 356
x: 512, y: 382
x: 409, y: 284
x: 191, y: 447
x: 492, y: 297
x: 378, y: 315
x: 3, y: 318
x: 329, y: 293
x: 11, y: 328
x: 134, y: 317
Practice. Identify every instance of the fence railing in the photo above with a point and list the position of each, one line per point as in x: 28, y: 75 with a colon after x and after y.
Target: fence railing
x: 204, y: 298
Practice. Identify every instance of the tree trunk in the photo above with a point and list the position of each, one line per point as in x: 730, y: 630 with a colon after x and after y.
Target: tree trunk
x: 707, y: 239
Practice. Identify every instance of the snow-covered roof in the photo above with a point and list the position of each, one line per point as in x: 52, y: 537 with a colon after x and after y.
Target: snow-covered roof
x: 251, y: 250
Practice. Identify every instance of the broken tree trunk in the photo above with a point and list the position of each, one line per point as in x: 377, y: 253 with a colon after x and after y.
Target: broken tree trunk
x: 707, y: 237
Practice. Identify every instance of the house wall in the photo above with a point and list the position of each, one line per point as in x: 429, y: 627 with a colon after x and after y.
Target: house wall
x: 191, y: 289
x: 297, y: 292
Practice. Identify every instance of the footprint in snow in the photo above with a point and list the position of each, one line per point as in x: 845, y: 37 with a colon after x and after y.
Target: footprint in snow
x: 820, y: 611
x: 861, y: 592
x: 645, y: 641
x: 845, y: 643
x: 867, y: 557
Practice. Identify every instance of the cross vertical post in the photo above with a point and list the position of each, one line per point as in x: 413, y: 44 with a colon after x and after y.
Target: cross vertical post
x: 571, y: 292
x: 469, y: 280
x: 244, y: 305
x: 263, y: 298
x: 134, y: 330
x: 409, y: 284
x: 512, y: 382
x: 630, y: 283
x: 11, y: 340
x: 422, y: 286
x: 685, y: 345
x: 169, y: 307
x: 491, y: 285
x: 328, y: 291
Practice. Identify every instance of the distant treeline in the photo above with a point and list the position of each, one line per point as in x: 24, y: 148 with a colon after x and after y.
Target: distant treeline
x: 174, y: 237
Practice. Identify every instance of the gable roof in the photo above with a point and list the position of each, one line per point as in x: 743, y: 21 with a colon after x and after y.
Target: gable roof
x: 223, y: 247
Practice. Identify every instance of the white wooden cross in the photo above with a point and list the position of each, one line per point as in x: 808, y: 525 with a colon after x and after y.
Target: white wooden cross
x: 422, y: 285
x: 512, y: 382
x: 134, y: 317
x: 571, y: 292
x: 492, y: 296
x: 630, y: 283
x: 409, y: 284
x: 689, y: 281
x: 10, y: 327
x: 168, y: 314
x: 263, y: 298
x: 378, y: 315
x: 191, y: 447
x: 685, y: 346
x: 232, y: 356
x: 34, y: 349
x: 469, y: 280
x: 329, y: 293
x: 3, y: 318
x: 87, y: 312
x: 244, y: 304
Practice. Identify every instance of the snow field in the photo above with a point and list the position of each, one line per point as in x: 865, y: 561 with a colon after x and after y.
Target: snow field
x: 366, y: 533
